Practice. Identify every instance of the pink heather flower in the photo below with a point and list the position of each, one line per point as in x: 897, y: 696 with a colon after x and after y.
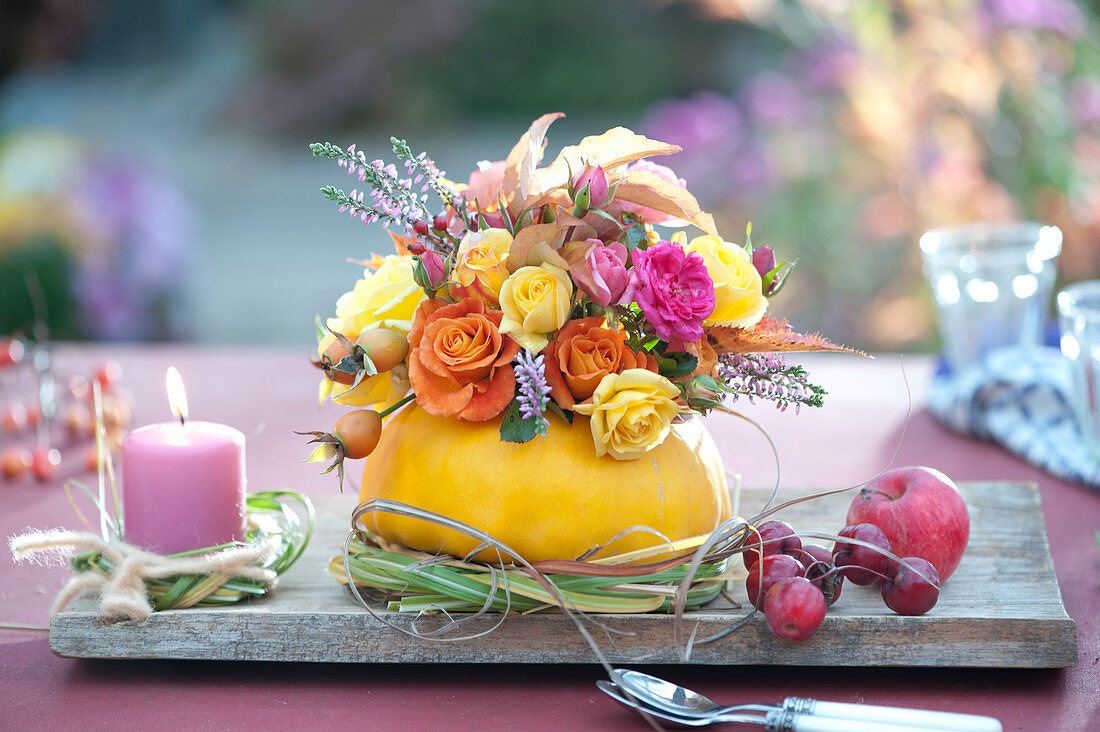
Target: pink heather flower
x: 600, y: 271
x: 673, y: 290
x: 649, y: 215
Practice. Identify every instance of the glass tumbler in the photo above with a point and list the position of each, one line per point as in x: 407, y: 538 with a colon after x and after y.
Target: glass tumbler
x: 992, y: 284
x: 1079, y: 321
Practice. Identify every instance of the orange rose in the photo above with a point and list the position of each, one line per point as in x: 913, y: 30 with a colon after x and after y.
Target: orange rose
x: 459, y: 363
x: 708, y: 357
x: 582, y: 353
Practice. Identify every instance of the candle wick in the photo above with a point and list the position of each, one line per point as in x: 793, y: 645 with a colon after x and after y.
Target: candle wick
x: 182, y: 419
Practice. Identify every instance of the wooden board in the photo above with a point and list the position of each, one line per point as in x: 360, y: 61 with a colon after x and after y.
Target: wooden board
x: 1002, y: 608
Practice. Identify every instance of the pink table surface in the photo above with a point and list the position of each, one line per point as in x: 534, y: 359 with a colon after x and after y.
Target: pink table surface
x: 268, y: 393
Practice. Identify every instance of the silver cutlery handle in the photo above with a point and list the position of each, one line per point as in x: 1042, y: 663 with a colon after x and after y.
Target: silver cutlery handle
x: 788, y: 721
x: 920, y: 718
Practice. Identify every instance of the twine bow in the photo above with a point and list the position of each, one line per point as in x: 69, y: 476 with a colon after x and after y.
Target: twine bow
x: 123, y: 592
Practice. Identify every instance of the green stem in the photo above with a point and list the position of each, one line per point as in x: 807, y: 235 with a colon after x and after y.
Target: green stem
x: 387, y: 412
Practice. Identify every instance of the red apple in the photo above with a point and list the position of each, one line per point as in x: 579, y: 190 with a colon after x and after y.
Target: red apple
x: 920, y: 511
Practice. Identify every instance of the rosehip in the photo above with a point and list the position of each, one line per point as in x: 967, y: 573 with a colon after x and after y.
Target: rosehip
x: 14, y: 419
x: 91, y: 458
x: 358, y: 432
x: 14, y: 462
x: 79, y: 388
x: 907, y: 593
x: 439, y: 223
x: 116, y: 412
x: 78, y: 420
x: 768, y: 571
x: 777, y: 537
x: 11, y: 351
x: 861, y: 564
x: 421, y: 228
x: 385, y: 348
x: 44, y: 463
x: 794, y: 609
x: 108, y: 375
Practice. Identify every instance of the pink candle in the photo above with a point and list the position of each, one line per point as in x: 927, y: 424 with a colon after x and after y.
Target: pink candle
x: 183, y: 484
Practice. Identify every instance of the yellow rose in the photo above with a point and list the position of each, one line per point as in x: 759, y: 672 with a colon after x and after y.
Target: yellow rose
x: 384, y: 298
x: 536, y: 302
x: 631, y: 413
x: 480, y: 265
x: 739, y: 299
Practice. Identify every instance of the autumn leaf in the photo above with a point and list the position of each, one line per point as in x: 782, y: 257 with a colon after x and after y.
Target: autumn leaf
x: 660, y: 194
x: 536, y: 244
x: 616, y: 147
x: 525, y: 156
x: 770, y: 335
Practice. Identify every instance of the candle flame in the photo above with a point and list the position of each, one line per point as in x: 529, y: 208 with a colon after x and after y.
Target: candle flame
x: 177, y: 396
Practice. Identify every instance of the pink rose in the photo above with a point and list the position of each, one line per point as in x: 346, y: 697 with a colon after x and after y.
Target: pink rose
x: 649, y: 215
x: 673, y: 290
x: 600, y: 270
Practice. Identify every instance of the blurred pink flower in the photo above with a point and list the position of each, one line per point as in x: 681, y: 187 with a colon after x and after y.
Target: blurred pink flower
x: 773, y: 98
x: 1060, y: 16
x: 673, y: 290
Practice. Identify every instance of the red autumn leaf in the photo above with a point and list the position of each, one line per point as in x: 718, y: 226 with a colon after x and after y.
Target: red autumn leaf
x: 770, y: 335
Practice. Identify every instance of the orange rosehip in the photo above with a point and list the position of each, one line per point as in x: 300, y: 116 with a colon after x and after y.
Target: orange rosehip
x: 116, y: 412
x: 78, y: 420
x: 44, y: 462
x: 385, y: 348
x: 14, y: 462
x: 108, y: 375
x: 14, y: 419
x: 358, y: 432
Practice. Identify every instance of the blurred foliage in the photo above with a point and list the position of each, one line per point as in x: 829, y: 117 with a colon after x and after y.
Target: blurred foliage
x: 106, y: 242
x: 37, y: 261
x: 444, y: 60
x: 881, y: 120
x: 522, y: 59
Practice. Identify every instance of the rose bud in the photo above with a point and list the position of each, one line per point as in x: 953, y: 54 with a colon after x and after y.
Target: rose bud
x: 590, y: 188
x: 433, y: 269
x: 764, y: 260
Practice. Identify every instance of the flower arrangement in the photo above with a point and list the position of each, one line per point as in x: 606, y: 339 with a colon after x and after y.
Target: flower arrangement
x: 543, y: 292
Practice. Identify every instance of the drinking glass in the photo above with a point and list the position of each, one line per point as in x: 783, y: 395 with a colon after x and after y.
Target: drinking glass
x: 1079, y: 321
x: 992, y: 284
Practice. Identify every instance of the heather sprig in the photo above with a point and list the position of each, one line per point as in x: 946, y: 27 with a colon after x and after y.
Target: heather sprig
x: 767, y: 376
x: 391, y: 199
x: 423, y: 168
x: 533, y: 391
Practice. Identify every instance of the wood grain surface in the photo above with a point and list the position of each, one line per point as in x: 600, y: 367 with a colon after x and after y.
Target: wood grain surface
x: 1001, y: 608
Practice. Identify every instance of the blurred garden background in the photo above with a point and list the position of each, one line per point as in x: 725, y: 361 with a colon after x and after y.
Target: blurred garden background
x: 155, y: 176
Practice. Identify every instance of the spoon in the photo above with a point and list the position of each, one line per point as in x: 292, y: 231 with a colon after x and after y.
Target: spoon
x: 686, y: 703
x: 776, y: 720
